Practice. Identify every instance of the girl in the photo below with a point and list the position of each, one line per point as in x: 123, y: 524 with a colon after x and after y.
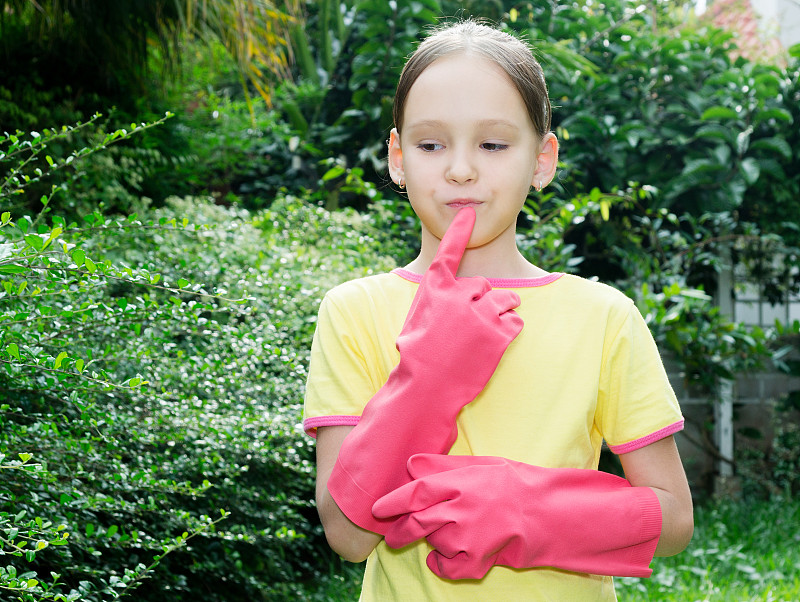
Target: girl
x: 460, y: 403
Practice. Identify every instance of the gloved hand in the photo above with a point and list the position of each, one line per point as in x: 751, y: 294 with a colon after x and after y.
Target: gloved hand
x: 453, y: 338
x: 480, y: 511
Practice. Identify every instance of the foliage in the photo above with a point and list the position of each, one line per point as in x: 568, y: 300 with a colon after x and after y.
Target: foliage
x: 769, y: 463
x: 153, y: 371
x: 549, y: 221
x: 45, y: 47
x: 739, y: 552
x: 85, y: 179
x: 232, y: 157
x: 155, y: 325
x: 673, y: 284
x: 349, y: 58
x: 773, y: 473
x: 666, y: 105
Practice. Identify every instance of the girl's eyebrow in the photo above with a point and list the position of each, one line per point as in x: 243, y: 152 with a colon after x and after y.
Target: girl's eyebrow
x: 435, y: 123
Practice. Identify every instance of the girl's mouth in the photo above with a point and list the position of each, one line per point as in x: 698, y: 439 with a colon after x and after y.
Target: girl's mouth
x: 459, y: 203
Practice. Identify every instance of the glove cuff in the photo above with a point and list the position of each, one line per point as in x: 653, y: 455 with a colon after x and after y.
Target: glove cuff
x: 355, y: 502
x: 650, y: 509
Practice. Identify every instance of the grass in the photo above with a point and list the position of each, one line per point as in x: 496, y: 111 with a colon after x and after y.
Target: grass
x: 741, y: 552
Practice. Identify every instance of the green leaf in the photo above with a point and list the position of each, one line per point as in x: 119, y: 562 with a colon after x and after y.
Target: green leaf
x: 78, y: 256
x: 719, y: 113
x: 333, y: 173
x: 182, y: 282
x: 90, y: 266
x: 604, y: 210
x: 61, y: 357
x: 715, y: 130
x: 112, y: 530
x: 779, y: 114
x: 750, y: 170
x: 6, y: 217
x: 25, y: 457
x: 55, y: 233
x: 122, y: 302
x: 694, y: 293
x: 35, y: 241
x: 12, y: 269
x: 13, y: 350
x: 79, y: 366
x: 774, y: 144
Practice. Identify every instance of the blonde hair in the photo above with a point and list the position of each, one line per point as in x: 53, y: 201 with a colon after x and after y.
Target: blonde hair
x: 512, y: 55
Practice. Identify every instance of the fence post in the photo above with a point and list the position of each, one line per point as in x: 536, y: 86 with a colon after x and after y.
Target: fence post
x: 723, y: 406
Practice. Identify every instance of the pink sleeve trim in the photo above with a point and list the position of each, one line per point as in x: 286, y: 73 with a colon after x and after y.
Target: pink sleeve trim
x: 648, y: 439
x: 310, y: 424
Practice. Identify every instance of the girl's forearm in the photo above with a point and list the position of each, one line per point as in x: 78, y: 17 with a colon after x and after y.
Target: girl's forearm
x: 677, y: 524
x: 345, y: 538
x: 659, y: 467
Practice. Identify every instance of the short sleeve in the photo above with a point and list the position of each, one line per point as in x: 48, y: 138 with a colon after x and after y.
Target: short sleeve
x: 339, y: 380
x: 636, y: 403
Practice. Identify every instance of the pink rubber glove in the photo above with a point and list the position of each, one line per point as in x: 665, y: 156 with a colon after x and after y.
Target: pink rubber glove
x: 453, y: 338
x: 480, y: 511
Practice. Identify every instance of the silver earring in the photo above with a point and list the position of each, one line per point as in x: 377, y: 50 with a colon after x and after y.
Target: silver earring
x: 401, y: 183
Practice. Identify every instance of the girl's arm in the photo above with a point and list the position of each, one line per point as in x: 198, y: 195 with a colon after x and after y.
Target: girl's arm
x: 659, y: 467
x: 346, y: 538
x: 480, y: 511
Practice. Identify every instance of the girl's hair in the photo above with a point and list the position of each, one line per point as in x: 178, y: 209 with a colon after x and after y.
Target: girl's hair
x: 512, y: 55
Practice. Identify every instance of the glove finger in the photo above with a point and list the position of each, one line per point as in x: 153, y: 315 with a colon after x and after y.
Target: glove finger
x: 453, y: 244
x: 413, y: 526
x: 425, y: 465
x: 447, y: 540
x: 502, y: 300
x: 461, y: 566
x: 414, y: 496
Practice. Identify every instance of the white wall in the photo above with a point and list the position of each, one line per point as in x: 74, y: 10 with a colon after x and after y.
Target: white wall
x: 781, y: 17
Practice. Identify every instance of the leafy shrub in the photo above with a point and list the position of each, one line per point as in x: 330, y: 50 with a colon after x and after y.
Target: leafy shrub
x: 153, y: 378
x: 349, y: 58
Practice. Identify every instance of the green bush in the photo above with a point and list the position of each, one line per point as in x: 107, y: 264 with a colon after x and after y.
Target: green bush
x: 152, y: 385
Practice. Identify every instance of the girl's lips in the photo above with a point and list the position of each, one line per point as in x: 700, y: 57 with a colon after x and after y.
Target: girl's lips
x: 459, y: 203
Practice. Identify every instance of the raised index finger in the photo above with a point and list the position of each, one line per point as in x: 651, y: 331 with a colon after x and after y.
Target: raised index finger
x: 454, y: 242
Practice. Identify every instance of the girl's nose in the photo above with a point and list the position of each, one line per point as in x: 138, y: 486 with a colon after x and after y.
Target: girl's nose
x: 461, y: 168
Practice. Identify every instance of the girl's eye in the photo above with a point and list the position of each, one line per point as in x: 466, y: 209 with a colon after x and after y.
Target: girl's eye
x: 493, y: 146
x: 429, y: 147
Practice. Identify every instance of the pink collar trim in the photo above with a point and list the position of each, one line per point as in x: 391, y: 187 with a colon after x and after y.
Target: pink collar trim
x: 495, y: 282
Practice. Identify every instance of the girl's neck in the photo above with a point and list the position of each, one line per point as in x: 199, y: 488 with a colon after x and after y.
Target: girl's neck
x: 494, y: 260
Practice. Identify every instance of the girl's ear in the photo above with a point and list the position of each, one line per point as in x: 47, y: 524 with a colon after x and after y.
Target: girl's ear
x: 395, y: 157
x: 546, y: 162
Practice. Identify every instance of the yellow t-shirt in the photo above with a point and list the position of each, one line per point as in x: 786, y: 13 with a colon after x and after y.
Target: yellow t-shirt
x: 584, y: 368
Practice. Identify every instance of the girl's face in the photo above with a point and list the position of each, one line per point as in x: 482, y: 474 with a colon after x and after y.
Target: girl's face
x: 467, y: 140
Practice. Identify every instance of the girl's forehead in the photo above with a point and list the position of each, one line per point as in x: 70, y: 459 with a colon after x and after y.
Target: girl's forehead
x: 463, y: 85
x: 459, y: 74
x: 465, y: 61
